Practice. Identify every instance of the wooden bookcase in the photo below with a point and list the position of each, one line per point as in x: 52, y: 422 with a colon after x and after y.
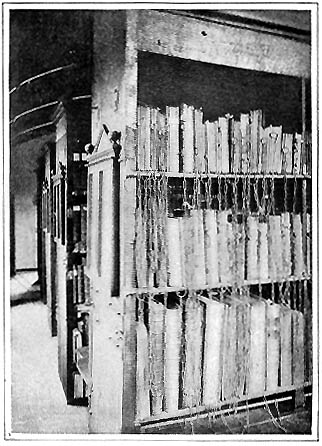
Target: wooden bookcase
x: 170, y: 59
x: 64, y: 223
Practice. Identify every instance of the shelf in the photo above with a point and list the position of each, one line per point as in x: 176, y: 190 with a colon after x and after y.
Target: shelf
x: 82, y: 364
x: 163, y: 290
x: 154, y: 173
x: 226, y: 407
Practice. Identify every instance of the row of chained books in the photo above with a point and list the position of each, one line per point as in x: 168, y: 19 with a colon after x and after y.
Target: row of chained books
x: 179, y: 140
x: 207, y: 248
x: 204, y: 352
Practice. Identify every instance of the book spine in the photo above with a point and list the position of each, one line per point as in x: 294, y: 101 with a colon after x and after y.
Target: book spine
x: 286, y: 347
x: 186, y: 122
x: 173, y: 138
x: 252, y: 246
x: 214, y: 337
x: 297, y: 153
x: 287, y: 144
x: 211, y: 247
x: 156, y: 341
x: 263, y: 251
x: 142, y: 372
x: 273, y: 346
x: 154, y: 148
x: 172, y: 358
x: 229, y: 353
x: 242, y: 349
x: 254, y: 141
x: 218, y: 137
x: 240, y: 238
x: 298, y: 347
x: 245, y: 135
x: 297, y: 248
x: 174, y: 253
x: 223, y: 263
x: 198, y: 248
x: 257, y: 354
x: 193, y: 353
x: 237, y: 147
x: 199, y: 141
x: 223, y: 131
x: 286, y: 244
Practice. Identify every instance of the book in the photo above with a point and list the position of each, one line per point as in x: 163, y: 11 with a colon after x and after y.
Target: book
x: 239, y: 258
x: 245, y: 139
x: 156, y: 354
x: 252, y: 246
x: 200, y: 149
x: 175, y: 273
x: 286, y: 346
x: 223, y: 259
x: 187, y: 237
x: 236, y: 148
x: 211, y: 146
x: 275, y: 259
x: 213, y: 349
x: 298, y: 347
x: 140, y: 249
x: 144, y: 138
x: 142, y: 371
x: 243, y: 344
x: 264, y: 150
x: 229, y: 351
x: 287, y: 152
x: 173, y: 332
x: 263, y: 251
x: 162, y: 149
x: 308, y: 244
x: 297, y: 153
x: 255, y: 125
x: 154, y: 151
x: 257, y: 350
x: 193, y: 352
x: 172, y: 116
x: 199, y: 273
x: 211, y: 247
x: 296, y: 245
x: 223, y: 127
x: 187, y: 136
x: 286, y: 244
x: 273, y: 346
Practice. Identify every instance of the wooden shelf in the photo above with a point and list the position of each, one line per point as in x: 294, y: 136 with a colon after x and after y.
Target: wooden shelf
x: 163, y: 290
x: 152, y: 173
x: 232, y: 406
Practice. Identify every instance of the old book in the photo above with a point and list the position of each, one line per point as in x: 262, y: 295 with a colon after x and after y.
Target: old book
x: 286, y: 244
x: 156, y: 345
x: 211, y: 247
x: 287, y: 152
x: 229, y: 351
x: 174, y: 253
x: 240, y: 253
x: 275, y: 148
x: 264, y: 149
x: 172, y: 357
x: 218, y: 135
x: 141, y: 265
x: 273, y: 346
x: 257, y: 353
x: 255, y: 125
x: 154, y: 141
x: 172, y: 114
x: 245, y: 138
x: 243, y: 344
x: 298, y: 347
x: 223, y: 127
x: 200, y: 148
x: 144, y: 138
x: 286, y: 346
x: 223, y: 263
x: 274, y: 236
x: 142, y: 371
x: 198, y: 249
x: 187, y: 238
x: 263, y: 251
x: 162, y: 141
x: 193, y: 353
x: 297, y: 247
x: 214, y: 336
x: 297, y: 153
x: 236, y: 148
x: 211, y: 146
x: 187, y: 134
x: 252, y: 246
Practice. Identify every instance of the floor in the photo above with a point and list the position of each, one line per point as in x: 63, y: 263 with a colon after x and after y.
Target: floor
x: 38, y: 402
